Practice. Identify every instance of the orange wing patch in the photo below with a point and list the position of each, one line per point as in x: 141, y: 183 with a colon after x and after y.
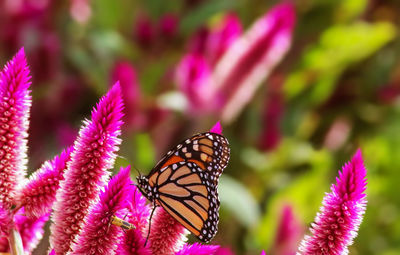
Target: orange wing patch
x: 200, y: 164
x: 174, y: 159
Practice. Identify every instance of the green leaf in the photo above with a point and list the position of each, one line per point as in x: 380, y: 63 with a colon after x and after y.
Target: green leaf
x: 339, y: 47
x: 237, y: 199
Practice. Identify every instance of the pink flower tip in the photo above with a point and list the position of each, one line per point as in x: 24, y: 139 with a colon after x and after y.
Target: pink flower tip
x: 342, y: 212
x: 217, y: 128
x: 263, y: 253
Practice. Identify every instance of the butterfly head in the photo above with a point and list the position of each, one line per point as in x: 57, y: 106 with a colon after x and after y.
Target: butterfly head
x: 144, y: 187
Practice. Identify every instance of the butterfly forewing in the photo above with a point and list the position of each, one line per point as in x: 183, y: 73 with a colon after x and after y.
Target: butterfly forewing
x: 210, y: 151
x: 185, y: 182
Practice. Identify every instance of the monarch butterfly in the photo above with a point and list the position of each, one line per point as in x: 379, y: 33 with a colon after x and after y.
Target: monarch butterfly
x: 184, y: 182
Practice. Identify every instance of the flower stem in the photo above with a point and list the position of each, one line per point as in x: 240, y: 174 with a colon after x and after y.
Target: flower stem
x: 15, y: 242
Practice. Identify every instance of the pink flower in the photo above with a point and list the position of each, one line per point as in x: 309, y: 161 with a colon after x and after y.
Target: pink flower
x: 97, y: 235
x: 198, y: 249
x: 38, y: 195
x: 125, y: 73
x: 271, y: 119
x: 337, y: 223
x: 31, y: 229
x: 250, y: 59
x: 5, y: 221
x: 138, y: 213
x: 167, y: 235
x: 144, y: 31
x: 168, y: 25
x: 288, y: 234
x: 15, y: 103
x: 94, y: 153
x: 193, y: 77
x: 222, y: 36
x: 217, y: 128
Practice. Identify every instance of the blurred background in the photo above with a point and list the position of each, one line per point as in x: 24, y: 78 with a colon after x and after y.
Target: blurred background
x: 296, y: 96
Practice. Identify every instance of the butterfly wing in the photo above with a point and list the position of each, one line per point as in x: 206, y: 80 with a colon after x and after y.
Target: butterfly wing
x: 210, y: 151
x: 189, y: 195
x: 185, y: 182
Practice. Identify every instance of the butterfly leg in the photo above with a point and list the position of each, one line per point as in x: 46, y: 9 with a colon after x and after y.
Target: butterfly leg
x: 151, y: 216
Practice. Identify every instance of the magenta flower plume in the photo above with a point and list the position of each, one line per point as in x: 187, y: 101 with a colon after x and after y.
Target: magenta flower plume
x: 5, y: 221
x: 337, y: 224
x: 39, y: 194
x: 217, y: 128
x: 193, y: 77
x: 167, y: 234
x: 263, y: 253
x: 222, y: 37
x: 133, y: 244
x: 125, y: 73
x: 198, y: 249
x: 133, y: 241
x: 289, y: 233
x: 97, y: 235
x: 250, y: 59
x: 31, y: 229
x: 3, y: 244
x: 94, y: 153
x: 15, y: 103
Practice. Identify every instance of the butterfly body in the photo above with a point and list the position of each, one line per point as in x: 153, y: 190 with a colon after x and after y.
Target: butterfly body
x: 185, y: 182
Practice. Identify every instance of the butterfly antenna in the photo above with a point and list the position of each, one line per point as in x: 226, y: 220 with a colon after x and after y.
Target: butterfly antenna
x: 148, y: 233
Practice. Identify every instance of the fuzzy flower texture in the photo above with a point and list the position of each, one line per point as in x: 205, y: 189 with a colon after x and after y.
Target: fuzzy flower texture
x: 74, y: 188
x: 337, y: 223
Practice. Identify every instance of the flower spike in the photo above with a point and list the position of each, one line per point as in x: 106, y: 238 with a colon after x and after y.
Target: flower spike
x: 250, y: 59
x: 198, y: 249
x: 39, y: 193
x: 138, y: 213
x: 15, y: 103
x: 340, y: 217
x: 97, y: 235
x: 217, y: 128
x: 167, y: 235
x: 94, y: 153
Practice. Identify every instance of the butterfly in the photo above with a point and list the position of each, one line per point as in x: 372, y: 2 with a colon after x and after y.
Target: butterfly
x: 184, y: 182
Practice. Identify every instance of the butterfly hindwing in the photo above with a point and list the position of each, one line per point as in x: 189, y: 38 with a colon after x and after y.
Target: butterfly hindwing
x: 186, y: 192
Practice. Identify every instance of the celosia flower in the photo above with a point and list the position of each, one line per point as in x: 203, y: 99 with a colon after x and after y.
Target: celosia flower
x: 250, y: 58
x: 39, y: 193
x: 193, y: 74
x: 198, y: 249
x: 144, y: 31
x: 193, y: 77
x: 97, y: 235
x: 217, y: 128
x: 223, y: 251
x: 337, y: 223
x: 15, y: 103
x: 5, y: 221
x: 80, y: 10
x: 167, y: 235
x: 132, y: 242
x: 273, y: 113
x: 94, y: 153
x: 125, y: 73
x: 222, y: 36
x: 289, y: 233
x: 168, y: 25
x: 263, y: 253
x: 31, y: 229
